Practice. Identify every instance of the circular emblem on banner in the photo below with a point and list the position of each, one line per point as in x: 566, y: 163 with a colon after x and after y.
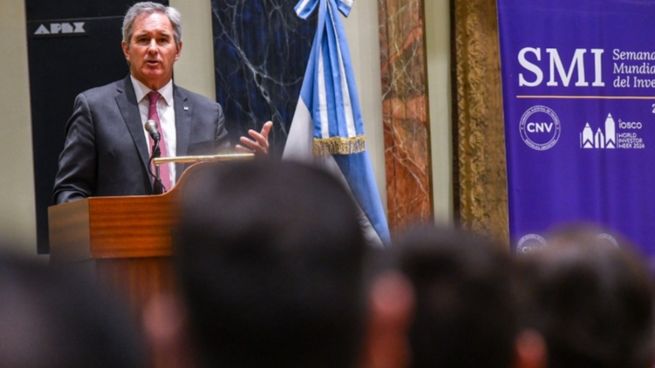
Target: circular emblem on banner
x: 540, y: 127
x: 530, y: 242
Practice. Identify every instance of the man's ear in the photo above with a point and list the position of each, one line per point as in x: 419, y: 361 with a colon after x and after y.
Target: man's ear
x: 179, y: 50
x: 125, y: 46
x: 530, y: 350
x: 391, y: 308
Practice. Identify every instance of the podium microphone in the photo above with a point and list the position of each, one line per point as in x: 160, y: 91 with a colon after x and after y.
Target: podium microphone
x: 151, y: 128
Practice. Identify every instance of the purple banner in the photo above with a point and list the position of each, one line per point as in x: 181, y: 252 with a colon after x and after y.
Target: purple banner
x: 579, y: 101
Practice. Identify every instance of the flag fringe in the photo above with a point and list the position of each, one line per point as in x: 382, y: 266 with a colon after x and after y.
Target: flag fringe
x: 339, y: 145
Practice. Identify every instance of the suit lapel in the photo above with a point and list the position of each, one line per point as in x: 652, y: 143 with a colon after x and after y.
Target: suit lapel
x: 182, y: 126
x: 129, y: 108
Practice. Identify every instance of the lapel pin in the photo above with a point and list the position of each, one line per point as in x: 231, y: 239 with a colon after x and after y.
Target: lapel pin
x: 186, y: 108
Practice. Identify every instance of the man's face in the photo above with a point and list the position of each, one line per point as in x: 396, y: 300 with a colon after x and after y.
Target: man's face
x: 152, y: 51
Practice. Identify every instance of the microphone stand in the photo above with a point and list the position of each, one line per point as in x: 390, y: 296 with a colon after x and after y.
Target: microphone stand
x: 157, y: 186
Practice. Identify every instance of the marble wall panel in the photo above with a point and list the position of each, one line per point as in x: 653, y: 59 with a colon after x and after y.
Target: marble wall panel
x: 260, y: 53
x: 405, y: 112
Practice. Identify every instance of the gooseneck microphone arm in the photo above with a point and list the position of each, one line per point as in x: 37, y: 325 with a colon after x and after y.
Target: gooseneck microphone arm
x: 151, y: 128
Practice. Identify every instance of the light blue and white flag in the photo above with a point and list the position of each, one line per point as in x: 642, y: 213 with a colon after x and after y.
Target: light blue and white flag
x: 327, y: 126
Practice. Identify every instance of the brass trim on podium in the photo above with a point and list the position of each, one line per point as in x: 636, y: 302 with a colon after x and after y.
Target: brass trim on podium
x: 204, y: 158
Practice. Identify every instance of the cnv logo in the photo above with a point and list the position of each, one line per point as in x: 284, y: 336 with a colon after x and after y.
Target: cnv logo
x: 540, y: 128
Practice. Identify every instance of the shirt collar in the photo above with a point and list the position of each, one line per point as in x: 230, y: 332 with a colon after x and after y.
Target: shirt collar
x: 140, y: 90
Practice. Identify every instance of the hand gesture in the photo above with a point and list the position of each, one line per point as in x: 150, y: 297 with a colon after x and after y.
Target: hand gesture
x: 258, y: 143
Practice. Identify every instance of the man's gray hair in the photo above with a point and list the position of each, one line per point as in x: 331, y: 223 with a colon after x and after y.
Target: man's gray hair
x: 149, y: 7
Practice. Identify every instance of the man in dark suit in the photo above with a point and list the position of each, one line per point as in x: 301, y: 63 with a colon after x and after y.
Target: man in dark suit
x: 106, y: 151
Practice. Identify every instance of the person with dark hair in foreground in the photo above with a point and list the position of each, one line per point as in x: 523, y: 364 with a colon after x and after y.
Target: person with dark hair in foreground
x: 270, y: 258
x: 464, y: 315
x: 49, y: 320
x: 586, y: 303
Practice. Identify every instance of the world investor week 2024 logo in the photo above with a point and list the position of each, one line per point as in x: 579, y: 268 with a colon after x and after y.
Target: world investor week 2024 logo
x: 540, y: 128
x: 612, y: 135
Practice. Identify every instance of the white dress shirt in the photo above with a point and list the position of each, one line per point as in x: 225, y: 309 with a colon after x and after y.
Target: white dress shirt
x: 166, y: 112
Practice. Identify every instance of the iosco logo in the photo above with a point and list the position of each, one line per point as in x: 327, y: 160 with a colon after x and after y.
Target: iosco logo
x: 540, y: 128
x: 615, y: 135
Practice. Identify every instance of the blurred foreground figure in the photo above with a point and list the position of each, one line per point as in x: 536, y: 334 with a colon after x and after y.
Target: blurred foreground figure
x: 48, y: 320
x: 587, y: 302
x: 390, y: 313
x: 270, y: 262
x: 464, y: 315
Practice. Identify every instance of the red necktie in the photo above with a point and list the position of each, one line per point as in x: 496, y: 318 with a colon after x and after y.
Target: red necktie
x: 164, y: 170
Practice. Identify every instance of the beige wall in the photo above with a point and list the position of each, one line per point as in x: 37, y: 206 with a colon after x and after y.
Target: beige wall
x: 17, y: 216
x: 437, y: 20
x: 195, y: 71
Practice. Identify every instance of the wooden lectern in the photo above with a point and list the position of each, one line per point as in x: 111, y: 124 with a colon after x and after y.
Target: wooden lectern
x: 124, y: 242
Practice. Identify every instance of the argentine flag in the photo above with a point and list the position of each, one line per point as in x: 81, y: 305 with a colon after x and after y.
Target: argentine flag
x: 327, y: 127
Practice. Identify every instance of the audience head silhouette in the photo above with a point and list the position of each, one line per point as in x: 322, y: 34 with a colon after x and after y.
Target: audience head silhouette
x: 270, y: 259
x: 590, y: 299
x: 48, y: 319
x: 464, y: 314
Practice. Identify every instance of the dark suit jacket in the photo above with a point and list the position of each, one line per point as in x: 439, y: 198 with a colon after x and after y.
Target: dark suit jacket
x: 105, y: 152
